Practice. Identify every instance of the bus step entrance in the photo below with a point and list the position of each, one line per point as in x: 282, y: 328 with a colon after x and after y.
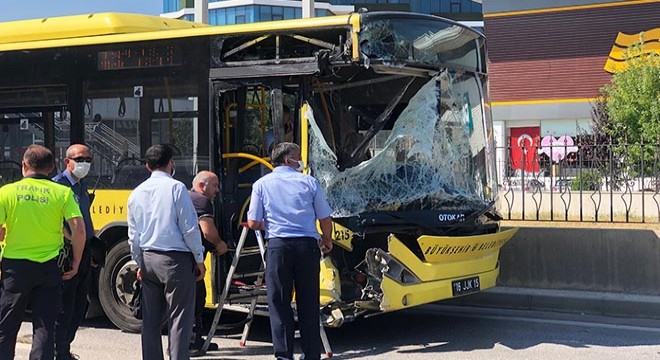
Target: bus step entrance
x: 235, y: 290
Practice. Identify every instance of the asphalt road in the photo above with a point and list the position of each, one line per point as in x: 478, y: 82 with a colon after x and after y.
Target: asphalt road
x: 428, y: 332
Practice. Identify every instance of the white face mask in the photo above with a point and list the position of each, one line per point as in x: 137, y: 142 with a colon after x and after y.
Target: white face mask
x: 301, y: 166
x: 81, y: 169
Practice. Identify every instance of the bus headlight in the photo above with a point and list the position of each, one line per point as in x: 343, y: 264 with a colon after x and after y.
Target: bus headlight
x: 380, y: 263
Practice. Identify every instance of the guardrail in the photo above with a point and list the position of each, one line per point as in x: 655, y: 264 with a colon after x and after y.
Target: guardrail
x: 583, y: 182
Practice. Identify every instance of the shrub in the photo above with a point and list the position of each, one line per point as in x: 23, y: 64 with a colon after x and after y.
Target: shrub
x: 587, y: 180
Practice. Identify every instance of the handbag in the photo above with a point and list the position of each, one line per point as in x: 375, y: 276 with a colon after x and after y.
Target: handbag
x: 65, y: 257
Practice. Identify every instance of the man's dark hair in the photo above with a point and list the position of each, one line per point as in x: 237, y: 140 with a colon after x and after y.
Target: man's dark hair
x: 158, y: 156
x: 283, y: 151
x: 39, y: 158
x: 285, y: 109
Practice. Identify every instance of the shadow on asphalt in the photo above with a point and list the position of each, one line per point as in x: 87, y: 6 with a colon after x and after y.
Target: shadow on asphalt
x: 430, y: 330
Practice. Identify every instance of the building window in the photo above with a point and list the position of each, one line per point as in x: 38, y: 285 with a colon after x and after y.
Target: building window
x: 231, y: 16
x: 455, y: 6
x: 172, y: 5
x: 250, y: 14
x: 212, y: 17
x: 264, y: 13
x: 222, y: 17
x: 278, y: 13
x: 289, y: 13
x: 240, y: 15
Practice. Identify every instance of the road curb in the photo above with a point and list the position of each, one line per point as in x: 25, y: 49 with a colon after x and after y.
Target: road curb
x: 569, y: 301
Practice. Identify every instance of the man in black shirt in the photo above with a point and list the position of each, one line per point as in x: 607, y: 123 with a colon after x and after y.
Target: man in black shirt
x: 205, y: 187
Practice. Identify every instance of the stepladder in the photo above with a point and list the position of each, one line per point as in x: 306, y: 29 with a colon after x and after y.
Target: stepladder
x: 250, y: 294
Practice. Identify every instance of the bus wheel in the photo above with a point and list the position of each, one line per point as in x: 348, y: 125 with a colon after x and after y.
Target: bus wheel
x: 117, y: 281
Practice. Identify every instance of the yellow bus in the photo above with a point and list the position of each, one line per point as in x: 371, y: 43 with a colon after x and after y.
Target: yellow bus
x: 391, y: 111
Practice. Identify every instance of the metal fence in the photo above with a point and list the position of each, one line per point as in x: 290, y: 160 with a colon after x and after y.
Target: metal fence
x: 595, y: 181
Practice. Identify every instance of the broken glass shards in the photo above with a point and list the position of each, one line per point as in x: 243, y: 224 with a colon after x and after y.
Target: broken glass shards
x: 433, y: 158
x: 429, y: 42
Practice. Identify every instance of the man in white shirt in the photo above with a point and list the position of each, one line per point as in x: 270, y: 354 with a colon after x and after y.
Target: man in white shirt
x: 166, y: 244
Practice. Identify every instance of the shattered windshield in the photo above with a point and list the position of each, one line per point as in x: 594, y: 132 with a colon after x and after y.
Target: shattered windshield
x: 433, y: 155
x: 430, y: 42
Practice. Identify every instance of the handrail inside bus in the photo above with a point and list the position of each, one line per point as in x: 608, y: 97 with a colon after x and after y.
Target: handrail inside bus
x: 253, y: 163
x: 248, y: 156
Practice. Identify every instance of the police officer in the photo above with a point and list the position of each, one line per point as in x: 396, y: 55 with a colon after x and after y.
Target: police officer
x: 287, y: 204
x: 74, y: 297
x: 32, y: 210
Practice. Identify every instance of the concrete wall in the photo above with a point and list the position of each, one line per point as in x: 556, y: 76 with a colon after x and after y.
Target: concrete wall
x: 552, y: 256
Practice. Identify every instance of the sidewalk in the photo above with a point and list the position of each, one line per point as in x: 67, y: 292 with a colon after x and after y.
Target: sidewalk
x: 569, y: 301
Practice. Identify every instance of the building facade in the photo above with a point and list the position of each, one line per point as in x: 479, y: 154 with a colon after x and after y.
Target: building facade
x: 228, y: 12
x: 548, y: 60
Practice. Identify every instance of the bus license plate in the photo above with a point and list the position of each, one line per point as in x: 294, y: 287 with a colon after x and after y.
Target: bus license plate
x: 465, y: 286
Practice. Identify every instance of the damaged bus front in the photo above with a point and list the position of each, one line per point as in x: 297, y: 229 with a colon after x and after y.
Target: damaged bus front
x: 411, y: 175
x: 392, y: 115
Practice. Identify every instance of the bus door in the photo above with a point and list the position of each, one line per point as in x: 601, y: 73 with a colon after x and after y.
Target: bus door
x: 32, y: 115
x: 252, y: 116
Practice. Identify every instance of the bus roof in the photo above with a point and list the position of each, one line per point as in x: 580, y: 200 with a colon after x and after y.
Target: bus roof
x: 107, y: 28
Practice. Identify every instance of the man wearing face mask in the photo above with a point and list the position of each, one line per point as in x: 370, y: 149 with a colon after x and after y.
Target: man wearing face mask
x: 78, y: 160
x: 287, y: 204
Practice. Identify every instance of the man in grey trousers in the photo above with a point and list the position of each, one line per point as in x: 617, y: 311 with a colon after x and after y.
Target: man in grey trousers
x: 166, y: 244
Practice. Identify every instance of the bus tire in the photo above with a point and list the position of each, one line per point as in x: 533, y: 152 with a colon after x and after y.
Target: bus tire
x: 117, y: 280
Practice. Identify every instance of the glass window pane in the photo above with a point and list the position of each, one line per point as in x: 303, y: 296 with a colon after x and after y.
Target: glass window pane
x: 435, y: 6
x: 278, y: 13
x: 249, y: 14
x: 220, y: 17
x: 426, y: 6
x: 264, y: 13
x: 231, y: 16
x: 289, y: 13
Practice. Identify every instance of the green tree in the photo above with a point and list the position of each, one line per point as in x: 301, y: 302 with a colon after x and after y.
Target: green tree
x: 628, y: 112
x: 633, y: 99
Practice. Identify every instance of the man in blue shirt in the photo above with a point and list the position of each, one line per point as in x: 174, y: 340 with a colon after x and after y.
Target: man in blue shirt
x: 74, y: 291
x: 166, y: 244
x: 287, y: 204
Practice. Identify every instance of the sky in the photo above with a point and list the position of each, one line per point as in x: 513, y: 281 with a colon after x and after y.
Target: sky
x: 31, y: 9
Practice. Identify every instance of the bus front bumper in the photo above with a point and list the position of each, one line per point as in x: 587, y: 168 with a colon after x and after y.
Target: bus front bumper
x: 398, y: 296
x: 448, y: 267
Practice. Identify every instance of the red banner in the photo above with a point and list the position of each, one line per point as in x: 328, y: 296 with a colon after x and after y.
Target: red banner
x: 524, y: 142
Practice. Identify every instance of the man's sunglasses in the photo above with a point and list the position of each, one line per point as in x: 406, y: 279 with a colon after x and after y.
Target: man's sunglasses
x: 82, y: 159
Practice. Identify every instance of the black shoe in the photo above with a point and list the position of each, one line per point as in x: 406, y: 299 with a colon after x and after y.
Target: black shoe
x: 196, y: 347
x: 69, y: 356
